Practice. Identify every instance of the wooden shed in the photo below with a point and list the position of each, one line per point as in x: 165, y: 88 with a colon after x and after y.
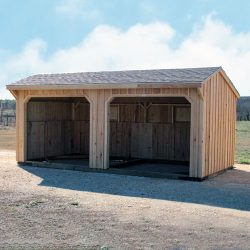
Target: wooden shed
x: 170, y: 117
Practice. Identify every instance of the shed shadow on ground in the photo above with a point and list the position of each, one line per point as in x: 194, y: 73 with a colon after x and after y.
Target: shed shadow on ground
x: 229, y: 190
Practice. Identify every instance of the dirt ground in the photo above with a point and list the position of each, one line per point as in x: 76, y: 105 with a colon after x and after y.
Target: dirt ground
x: 60, y: 209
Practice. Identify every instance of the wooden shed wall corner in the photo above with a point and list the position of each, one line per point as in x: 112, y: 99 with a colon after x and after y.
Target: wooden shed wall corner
x: 21, y: 108
x: 219, y: 124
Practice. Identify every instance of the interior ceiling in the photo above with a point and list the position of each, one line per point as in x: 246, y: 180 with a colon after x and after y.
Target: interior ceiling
x: 59, y: 99
x: 153, y: 100
x: 117, y: 100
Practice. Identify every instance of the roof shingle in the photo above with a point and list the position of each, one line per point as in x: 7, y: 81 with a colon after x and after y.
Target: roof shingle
x: 163, y: 76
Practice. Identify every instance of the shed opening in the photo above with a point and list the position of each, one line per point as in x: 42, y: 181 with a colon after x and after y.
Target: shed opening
x: 58, y: 130
x: 150, y: 134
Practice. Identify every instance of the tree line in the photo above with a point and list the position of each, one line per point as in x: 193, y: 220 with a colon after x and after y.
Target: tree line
x: 243, y: 109
x: 8, y: 110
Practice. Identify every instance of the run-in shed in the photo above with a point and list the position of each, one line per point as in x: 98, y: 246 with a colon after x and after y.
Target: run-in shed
x: 169, y: 116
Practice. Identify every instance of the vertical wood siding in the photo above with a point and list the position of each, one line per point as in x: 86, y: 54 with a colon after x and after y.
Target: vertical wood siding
x: 52, y: 130
x: 151, y: 133
x: 220, y: 120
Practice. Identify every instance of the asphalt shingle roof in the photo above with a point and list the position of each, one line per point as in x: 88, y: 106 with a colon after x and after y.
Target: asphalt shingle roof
x: 163, y: 76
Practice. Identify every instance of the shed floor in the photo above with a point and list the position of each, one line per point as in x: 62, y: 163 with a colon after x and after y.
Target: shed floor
x: 158, y: 168
x: 132, y: 167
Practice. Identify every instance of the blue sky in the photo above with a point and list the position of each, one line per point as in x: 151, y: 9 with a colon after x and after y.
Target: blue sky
x: 40, y: 36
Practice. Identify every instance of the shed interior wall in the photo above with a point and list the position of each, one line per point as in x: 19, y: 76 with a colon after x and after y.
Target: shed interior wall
x: 56, y: 127
x: 150, y: 128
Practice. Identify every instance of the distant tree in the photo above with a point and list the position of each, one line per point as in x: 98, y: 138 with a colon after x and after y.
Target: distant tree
x: 243, y: 109
x: 7, y: 112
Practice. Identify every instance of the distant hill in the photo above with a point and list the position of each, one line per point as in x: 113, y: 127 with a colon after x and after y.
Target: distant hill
x: 243, y: 109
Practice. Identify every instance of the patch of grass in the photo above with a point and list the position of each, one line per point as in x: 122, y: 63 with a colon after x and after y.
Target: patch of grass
x: 243, y: 142
x: 7, y: 138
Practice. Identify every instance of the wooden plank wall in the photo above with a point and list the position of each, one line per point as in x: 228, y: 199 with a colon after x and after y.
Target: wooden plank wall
x: 52, y: 130
x: 150, y: 133
x: 220, y: 117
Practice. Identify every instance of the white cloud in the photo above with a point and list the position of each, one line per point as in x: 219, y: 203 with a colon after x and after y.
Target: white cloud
x: 141, y: 47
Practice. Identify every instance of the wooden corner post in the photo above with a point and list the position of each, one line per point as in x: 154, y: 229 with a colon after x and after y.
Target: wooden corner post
x: 21, y: 124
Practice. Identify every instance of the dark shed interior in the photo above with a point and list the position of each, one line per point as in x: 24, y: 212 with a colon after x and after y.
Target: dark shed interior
x: 57, y: 127
x: 154, y: 131
x: 150, y: 134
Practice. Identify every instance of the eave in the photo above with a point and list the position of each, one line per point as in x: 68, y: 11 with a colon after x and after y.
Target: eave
x: 103, y: 86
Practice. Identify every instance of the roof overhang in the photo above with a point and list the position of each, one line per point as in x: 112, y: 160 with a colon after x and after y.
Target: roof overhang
x: 102, y: 86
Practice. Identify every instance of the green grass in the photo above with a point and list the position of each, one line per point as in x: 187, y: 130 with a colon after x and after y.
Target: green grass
x: 243, y: 142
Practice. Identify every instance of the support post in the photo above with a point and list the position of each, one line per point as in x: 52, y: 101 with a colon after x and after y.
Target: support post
x: 21, y: 128
x: 98, y: 130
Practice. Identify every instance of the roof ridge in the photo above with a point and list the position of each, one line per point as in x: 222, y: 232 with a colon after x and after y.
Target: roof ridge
x: 129, y: 70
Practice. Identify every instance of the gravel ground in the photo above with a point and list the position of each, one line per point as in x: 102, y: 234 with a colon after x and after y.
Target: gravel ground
x: 60, y: 209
